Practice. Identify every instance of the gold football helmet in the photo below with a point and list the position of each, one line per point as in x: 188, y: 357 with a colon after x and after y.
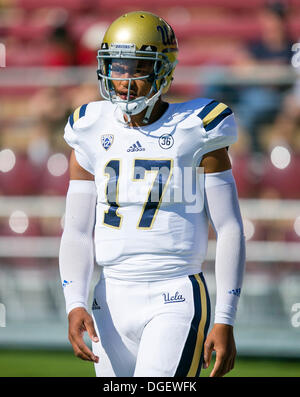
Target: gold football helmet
x: 133, y: 37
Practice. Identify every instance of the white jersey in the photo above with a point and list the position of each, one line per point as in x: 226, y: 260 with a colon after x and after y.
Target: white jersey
x: 150, y: 220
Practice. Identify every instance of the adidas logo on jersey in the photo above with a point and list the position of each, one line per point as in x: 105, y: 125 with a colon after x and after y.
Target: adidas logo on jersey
x: 236, y: 292
x: 136, y: 147
x: 95, y: 305
x: 65, y: 283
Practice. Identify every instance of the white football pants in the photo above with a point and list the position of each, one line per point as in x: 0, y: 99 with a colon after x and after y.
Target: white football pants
x: 151, y: 329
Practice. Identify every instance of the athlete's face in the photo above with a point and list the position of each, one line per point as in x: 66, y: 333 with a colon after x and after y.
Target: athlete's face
x: 128, y: 68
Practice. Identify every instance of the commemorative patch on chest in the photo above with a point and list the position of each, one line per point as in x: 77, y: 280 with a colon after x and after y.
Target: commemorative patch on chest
x: 107, y: 140
x: 166, y: 141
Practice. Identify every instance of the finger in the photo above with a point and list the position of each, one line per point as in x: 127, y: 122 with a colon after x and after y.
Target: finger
x: 81, y: 355
x: 81, y: 349
x: 228, y: 363
x: 85, y: 350
x: 218, y: 369
x: 89, y: 325
x: 227, y: 366
x: 78, y: 353
x: 208, y: 349
x: 230, y: 366
x: 232, y: 363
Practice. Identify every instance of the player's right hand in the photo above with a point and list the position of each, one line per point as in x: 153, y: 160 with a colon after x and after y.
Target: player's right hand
x: 79, y: 322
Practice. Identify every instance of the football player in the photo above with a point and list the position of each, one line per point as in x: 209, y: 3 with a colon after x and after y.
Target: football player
x: 146, y: 177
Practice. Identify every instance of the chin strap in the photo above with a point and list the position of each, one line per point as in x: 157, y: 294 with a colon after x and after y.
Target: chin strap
x: 148, y: 113
x: 128, y: 118
x: 150, y: 103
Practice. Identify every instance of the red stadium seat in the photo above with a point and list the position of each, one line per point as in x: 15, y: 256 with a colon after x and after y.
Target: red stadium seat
x: 53, y: 185
x: 117, y: 4
x: 284, y: 183
x: 294, y: 27
x: 243, y: 28
x: 23, y: 55
x: 190, y: 55
x: 33, y: 229
x: 68, y: 4
x: 22, y: 179
x: 81, y: 23
x: 291, y: 235
x: 244, y: 176
x: 36, y: 54
x: 29, y: 31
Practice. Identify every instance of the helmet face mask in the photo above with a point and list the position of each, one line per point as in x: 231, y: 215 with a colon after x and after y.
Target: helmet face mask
x: 137, y: 46
x: 114, y: 69
x: 134, y: 68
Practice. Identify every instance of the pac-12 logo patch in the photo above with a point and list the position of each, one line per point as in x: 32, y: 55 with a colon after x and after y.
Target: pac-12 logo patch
x: 107, y: 140
x: 166, y: 141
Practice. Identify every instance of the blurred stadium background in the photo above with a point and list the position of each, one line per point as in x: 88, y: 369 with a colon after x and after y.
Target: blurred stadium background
x: 237, y: 52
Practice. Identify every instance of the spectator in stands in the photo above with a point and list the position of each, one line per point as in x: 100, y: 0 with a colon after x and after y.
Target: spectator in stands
x: 286, y: 126
x: 260, y: 104
x: 62, y: 49
x: 49, y: 105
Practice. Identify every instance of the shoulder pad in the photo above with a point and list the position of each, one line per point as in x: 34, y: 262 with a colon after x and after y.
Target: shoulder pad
x: 213, y: 113
x: 84, y: 116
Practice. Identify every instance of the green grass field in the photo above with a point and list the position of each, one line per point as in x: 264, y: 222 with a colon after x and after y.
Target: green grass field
x: 64, y: 363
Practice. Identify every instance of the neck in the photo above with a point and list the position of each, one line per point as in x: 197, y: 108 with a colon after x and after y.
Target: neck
x: 158, y: 110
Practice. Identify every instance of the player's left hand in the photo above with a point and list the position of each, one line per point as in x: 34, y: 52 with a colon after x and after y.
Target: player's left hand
x: 221, y: 340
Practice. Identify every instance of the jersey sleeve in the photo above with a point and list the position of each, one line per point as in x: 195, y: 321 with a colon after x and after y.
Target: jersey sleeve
x: 219, y: 127
x: 74, y: 136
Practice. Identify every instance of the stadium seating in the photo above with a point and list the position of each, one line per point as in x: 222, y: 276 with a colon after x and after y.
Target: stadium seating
x: 22, y: 179
x: 210, y: 32
x: 244, y: 176
x: 226, y: 21
x: 281, y: 183
x: 33, y: 229
x: 53, y: 185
